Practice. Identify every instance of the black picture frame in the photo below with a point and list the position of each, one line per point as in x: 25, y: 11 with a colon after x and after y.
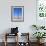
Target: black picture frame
x: 17, y: 13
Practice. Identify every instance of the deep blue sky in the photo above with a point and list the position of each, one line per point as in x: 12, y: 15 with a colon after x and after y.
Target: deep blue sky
x: 17, y: 11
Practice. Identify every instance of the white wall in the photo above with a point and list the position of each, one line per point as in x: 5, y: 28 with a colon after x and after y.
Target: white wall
x: 29, y: 15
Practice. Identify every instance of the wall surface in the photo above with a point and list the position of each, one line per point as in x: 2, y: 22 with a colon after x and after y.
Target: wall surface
x: 29, y: 15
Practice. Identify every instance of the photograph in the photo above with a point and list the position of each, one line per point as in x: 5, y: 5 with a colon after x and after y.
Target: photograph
x: 17, y: 13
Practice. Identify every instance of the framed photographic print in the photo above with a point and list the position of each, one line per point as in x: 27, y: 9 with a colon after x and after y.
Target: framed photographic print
x: 17, y: 13
x: 41, y: 12
x: 41, y: 8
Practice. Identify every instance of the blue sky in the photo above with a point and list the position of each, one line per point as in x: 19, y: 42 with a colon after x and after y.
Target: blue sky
x: 17, y: 11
